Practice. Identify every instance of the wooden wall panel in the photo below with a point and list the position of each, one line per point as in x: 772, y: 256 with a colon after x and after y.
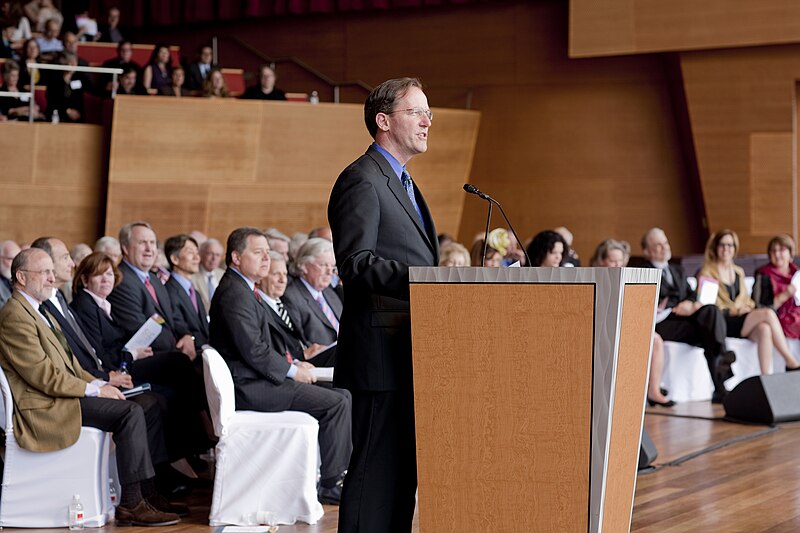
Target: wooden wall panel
x: 616, y: 27
x: 51, y: 181
x: 216, y: 165
x: 741, y: 106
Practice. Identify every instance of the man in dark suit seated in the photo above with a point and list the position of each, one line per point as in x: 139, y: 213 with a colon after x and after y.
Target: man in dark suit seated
x: 310, y: 295
x: 54, y: 396
x: 265, y: 89
x: 184, y: 261
x: 687, y: 320
x: 287, y: 334
x: 381, y: 225
x: 198, y: 71
x: 80, y: 343
x: 124, y: 59
x: 263, y: 378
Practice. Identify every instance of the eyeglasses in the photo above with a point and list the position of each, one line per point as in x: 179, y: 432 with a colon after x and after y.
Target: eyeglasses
x: 415, y: 112
x: 726, y: 245
x: 45, y: 272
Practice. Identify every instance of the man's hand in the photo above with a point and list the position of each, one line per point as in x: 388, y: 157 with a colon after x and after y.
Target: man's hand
x: 304, y: 375
x: 313, y: 350
x: 686, y: 308
x: 73, y: 114
x: 304, y: 364
x: 141, y: 353
x: 117, y: 379
x: 186, y: 345
x: 110, y: 391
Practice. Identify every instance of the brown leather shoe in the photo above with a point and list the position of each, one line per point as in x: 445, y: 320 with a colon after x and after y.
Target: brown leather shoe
x: 160, y: 503
x: 144, y: 514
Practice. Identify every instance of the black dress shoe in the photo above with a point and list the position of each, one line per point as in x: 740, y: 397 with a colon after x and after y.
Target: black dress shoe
x: 653, y: 403
x: 792, y: 369
x: 162, y: 504
x: 330, y: 496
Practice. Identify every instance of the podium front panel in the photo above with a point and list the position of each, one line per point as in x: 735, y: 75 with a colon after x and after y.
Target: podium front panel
x: 528, y: 406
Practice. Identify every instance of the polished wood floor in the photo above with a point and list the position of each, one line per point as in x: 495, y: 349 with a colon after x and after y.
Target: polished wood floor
x: 749, y: 481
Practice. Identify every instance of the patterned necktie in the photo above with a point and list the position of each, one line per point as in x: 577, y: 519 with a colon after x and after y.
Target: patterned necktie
x: 258, y: 296
x: 328, y: 312
x: 408, y: 185
x: 193, y: 298
x: 77, y: 328
x: 150, y: 289
x: 284, y: 314
x: 211, y: 285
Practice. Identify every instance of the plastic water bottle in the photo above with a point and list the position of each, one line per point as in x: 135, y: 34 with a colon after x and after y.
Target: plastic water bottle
x: 314, y: 99
x: 76, y: 513
x: 112, y: 492
x: 123, y: 368
x: 55, y: 119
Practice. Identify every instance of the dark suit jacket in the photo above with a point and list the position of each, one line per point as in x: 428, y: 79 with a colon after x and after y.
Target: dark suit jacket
x: 308, y: 316
x: 676, y: 292
x: 377, y: 235
x: 85, y: 358
x: 132, y: 305
x: 105, y: 335
x: 196, y: 321
x: 194, y: 78
x: 241, y: 332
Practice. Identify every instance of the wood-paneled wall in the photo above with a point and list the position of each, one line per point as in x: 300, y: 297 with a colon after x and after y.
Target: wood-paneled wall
x: 51, y: 178
x: 615, y: 27
x: 214, y: 165
x: 592, y: 144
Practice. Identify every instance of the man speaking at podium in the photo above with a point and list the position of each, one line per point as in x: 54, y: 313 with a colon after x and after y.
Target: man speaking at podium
x: 381, y: 225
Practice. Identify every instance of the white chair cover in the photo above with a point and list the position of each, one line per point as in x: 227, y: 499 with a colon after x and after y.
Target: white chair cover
x: 685, y: 373
x: 264, y: 461
x: 38, y: 487
x: 746, y: 364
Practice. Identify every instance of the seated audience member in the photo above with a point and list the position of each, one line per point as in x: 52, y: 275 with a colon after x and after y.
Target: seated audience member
x: 175, y: 88
x: 444, y: 238
x: 296, y: 242
x: 742, y: 318
x: 310, y: 296
x: 265, y: 89
x: 158, y: 72
x: 491, y: 257
x: 198, y: 236
x: 16, y: 108
x: 39, y: 367
x: 124, y: 60
x: 65, y: 92
x: 79, y: 252
x: 8, y: 251
x: 773, y: 287
x: 11, y: 12
x: 454, y: 254
x: 612, y: 253
x: 184, y: 261
x: 321, y: 232
x: 161, y: 266
x: 49, y: 43
x: 263, y: 378
x: 688, y: 321
x: 71, y: 46
x: 215, y: 86
x: 287, y: 336
x: 547, y: 249
x: 110, y: 246
x: 88, y: 350
x: 570, y: 258
x: 279, y: 243
x: 29, y: 54
x: 110, y: 32
x: 209, y: 274
x: 128, y: 83
x: 41, y: 11
x: 171, y: 374
x: 7, y: 50
x: 200, y: 69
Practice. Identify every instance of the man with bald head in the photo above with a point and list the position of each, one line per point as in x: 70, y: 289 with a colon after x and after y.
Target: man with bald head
x: 207, y: 278
x: 688, y: 321
x: 42, y: 372
x: 8, y: 251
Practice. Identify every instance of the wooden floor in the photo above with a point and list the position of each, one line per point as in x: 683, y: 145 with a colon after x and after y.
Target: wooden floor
x: 749, y: 483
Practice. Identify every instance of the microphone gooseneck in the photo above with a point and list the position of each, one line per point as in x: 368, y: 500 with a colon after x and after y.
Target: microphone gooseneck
x: 468, y: 187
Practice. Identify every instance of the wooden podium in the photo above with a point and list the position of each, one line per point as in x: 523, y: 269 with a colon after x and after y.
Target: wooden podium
x: 529, y: 387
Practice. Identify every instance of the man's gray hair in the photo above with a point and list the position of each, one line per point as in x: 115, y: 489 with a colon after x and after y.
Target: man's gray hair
x: 310, y: 250
x: 275, y: 234
x: 648, y: 233
x: 275, y: 256
x: 208, y: 243
x: 126, y: 231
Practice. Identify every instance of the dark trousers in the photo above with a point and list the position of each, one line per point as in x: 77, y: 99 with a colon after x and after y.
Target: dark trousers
x: 331, y: 408
x: 380, y: 487
x: 174, y: 376
x: 705, y: 328
x: 154, y: 406
x: 126, y: 421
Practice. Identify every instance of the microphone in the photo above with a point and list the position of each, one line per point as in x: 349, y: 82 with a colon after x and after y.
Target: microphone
x: 471, y: 189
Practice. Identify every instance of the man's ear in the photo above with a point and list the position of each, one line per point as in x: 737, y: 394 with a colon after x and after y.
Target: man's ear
x: 382, y: 120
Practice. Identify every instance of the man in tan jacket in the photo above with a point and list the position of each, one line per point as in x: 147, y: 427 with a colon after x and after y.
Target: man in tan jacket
x: 54, y: 396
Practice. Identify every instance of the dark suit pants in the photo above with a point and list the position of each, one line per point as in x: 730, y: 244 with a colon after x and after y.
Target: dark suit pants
x: 705, y: 328
x: 331, y: 408
x: 154, y: 406
x: 126, y: 421
x: 381, y: 483
x: 174, y: 376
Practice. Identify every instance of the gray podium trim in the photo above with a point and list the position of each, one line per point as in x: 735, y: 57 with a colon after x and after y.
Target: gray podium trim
x: 609, y: 292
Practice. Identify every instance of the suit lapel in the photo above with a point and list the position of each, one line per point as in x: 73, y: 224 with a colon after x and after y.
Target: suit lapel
x: 312, y: 303
x: 393, y: 182
x: 45, y: 329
